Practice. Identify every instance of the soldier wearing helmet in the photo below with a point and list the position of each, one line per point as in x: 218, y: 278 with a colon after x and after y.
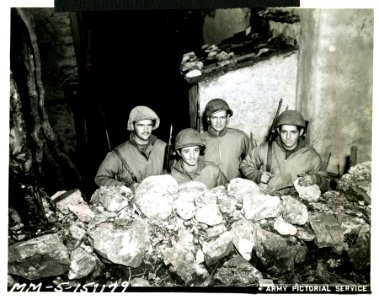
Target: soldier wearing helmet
x: 290, y: 159
x: 139, y: 157
x: 225, y: 147
x: 191, y: 166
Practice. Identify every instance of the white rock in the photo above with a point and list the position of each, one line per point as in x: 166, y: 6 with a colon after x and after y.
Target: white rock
x: 244, y: 238
x: 238, y: 187
x: 309, y: 193
x: 155, y: 196
x: 209, y: 214
x: 260, y: 206
x: 283, y: 227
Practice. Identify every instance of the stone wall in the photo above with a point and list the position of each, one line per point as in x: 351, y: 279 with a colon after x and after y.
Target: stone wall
x: 335, y: 81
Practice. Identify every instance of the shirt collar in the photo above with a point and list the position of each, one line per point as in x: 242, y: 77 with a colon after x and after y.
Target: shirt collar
x: 215, y: 133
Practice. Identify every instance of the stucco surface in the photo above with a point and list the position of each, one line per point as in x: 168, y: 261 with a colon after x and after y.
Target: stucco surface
x: 335, y: 86
x: 253, y: 92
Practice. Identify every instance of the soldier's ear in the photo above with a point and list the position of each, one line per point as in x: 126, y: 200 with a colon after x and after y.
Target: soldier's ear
x: 178, y: 152
x: 208, y: 120
x: 301, y: 131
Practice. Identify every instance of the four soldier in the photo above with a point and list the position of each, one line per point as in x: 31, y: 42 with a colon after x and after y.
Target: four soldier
x: 226, y: 153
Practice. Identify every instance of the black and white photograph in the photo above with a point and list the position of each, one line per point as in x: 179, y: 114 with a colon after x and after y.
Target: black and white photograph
x: 195, y: 150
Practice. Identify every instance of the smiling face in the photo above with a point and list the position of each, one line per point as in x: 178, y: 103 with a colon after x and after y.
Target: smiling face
x: 218, y: 120
x: 189, y: 155
x: 142, y: 131
x: 289, y: 135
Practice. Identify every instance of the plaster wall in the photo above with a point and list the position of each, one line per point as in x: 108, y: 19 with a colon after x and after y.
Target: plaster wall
x: 220, y: 24
x: 335, y: 81
x: 253, y: 92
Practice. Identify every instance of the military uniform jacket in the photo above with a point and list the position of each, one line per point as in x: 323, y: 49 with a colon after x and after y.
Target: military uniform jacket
x: 284, y: 170
x: 112, y: 171
x: 226, y: 150
x: 207, y: 173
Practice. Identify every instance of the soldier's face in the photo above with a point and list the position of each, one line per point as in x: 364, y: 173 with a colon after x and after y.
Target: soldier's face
x: 218, y: 120
x: 143, y: 130
x: 190, y: 155
x: 289, y: 135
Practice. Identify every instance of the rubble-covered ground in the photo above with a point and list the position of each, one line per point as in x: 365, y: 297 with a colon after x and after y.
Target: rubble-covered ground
x: 165, y: 235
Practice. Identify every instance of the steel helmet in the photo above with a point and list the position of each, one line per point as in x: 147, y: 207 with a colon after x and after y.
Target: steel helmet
x: 140, y: 113
x: 216, y: 105
x: 188, y: 137
x: 290, y: 117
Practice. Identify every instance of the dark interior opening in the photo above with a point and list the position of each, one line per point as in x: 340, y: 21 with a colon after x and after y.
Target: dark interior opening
x: 130, y: 58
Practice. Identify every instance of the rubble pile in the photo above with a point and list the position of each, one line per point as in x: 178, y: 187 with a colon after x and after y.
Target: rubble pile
x: 169, y: 235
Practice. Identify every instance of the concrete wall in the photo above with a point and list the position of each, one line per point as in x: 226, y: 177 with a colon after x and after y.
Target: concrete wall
x: 220, y: 24
x: 335, y: 81
x: 253, y: 92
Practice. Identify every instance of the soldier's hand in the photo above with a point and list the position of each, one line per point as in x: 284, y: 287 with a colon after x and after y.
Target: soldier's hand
x: 307, y: 180
x: 265, y: 178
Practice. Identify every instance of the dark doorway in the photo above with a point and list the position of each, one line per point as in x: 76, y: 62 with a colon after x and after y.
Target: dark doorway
x: 130, y: 58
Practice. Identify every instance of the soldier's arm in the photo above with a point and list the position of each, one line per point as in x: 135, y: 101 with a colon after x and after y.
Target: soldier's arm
x: 251, y: 165
x: 108, y: 172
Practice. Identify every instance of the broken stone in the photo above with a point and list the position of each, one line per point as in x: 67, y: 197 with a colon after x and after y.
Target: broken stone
x: 140, y: 282
x: 74, y: 236
x: 77, y: 232
x: 200, y: 256
x: 65, y: 199
x: 215, y: 230
x: 103, y: 217
x: 356, y: 184
x: 82, y: 211
x: 121, y: 246
x: 266, y: 283
x: 309, y: 193
x: 328, y: 231
x: 209, y: 214
x: 277, y: 254
x: 238, y: 272
x: 182, y: 260
x: 185, y: 204
x: 218, y: 248
x: 260, y: 206
x: 244, y: 237
x: 155, y: 196
x: 359, y: 252
x: 350, y: 224
x: 238, y: 187
x: 112, y: 198
x: 82, y: 263
x: 293, y: 211
x: 44, y: 256
x: 227, y: 204
x: 304, y: 234
x: 10, y: 282
x: 14, y: 216
x: 283, y: 227
x: 205, y: 198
